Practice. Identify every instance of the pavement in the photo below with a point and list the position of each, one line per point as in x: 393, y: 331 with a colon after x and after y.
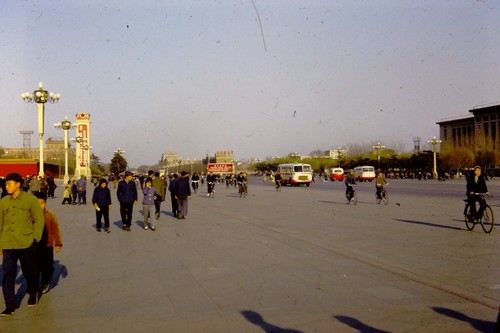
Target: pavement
x: 299, y: 260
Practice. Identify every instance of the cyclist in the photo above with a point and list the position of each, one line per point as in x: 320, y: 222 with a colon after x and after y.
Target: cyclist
x: 277, y: 179
x: 210, y: 183
x: 349, y: 181
x: 241, y: 179
x: 194, y: 181
x: 379, y: 183
x: 476, y: 184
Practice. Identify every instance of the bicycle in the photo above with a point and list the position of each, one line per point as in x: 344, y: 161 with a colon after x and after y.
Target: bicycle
x: 351, y: 195
x: 278, y: 186
x: 487, y: 219
x: 211, y: 190
x: 242, y: 189
x: 384, y: 196
x: 194, y: 184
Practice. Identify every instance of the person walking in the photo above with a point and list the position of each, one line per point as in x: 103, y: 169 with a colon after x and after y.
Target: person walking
x: 127, y: 197
x: 171, y: 188
x: 182, y: 194
x: 51, y: 238
x: 159, y: 186
x: 148, y: 201
x: 21, y: 227
x: 101, y: 199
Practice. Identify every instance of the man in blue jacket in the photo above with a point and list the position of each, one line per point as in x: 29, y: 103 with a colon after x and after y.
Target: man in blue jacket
x: 127, y: 196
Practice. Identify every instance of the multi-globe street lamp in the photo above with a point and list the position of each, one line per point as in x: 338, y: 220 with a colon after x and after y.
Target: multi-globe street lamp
x: 40, y: 97
x: 434, y: 142
x: 65, y: 125
x: 378, y: 147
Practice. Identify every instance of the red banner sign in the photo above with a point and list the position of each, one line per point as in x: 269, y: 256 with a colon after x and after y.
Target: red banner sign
x: 220, y: 167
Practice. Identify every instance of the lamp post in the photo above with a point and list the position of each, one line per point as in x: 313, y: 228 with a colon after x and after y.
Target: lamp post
x: 434, y: 142
x: 378, y: 147
x: 339, y: 154
x: 40, y: 97
x: 65, y: 125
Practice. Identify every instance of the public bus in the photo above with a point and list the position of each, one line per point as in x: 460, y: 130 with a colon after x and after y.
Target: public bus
x: 364, y: 173
x: 295, y: 174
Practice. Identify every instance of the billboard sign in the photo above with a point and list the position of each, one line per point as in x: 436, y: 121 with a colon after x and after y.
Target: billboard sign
x: 220, y: 167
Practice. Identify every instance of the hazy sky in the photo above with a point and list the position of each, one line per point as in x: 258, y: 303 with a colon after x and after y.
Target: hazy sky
x: 195, y: 77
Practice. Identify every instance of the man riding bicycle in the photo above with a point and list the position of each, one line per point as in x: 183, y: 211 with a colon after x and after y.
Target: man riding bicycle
x: 277, y: 179
x: 349, y: 180
x: 476, y: 184
x: 380, y: 182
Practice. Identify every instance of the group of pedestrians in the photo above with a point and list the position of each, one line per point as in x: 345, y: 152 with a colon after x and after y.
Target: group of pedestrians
x: 29, y: 232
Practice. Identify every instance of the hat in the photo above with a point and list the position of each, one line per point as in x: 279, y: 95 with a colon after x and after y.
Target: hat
x: 15, y: 177
x: 128, y: 173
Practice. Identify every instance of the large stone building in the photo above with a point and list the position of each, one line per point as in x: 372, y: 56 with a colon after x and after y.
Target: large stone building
x: 483, y: 123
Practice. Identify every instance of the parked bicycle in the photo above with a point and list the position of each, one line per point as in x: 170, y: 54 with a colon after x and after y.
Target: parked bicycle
x: 384, y: 196
x: 486, y: 218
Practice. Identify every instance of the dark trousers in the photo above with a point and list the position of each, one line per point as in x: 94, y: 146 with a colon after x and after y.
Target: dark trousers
x: 82, y: 197
x: 99, y: 214
x: 157, y: 205
x: 477, y: 214
x: 27, y: 258
x: 174, y: 204
x: 126, y: 210
x: 45, y: 262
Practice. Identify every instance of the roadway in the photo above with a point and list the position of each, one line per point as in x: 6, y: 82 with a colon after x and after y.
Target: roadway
x: 301, y: 260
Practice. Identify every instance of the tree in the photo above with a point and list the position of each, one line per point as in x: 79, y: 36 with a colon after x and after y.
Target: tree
x: 455, y: 158
x: 118, y: 164
x: 318, y: 153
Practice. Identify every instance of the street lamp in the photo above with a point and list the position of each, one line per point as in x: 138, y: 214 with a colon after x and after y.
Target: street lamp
x: 434, y: 142
x: 339, y: 154
x: 65, y: 125
x: 40, y: 97
x: 378, y: 147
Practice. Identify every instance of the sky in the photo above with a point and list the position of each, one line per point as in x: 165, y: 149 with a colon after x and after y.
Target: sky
x: 258, y: 77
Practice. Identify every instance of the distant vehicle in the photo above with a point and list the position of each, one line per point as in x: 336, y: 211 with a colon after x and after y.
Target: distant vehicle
x: 336, y: 174
x: 364, y: 173
x: 295, y: 174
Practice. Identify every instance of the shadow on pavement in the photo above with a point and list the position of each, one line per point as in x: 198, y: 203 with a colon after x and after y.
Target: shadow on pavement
x: 429, y: 224
x: 478, y: 324
x: 355, y: 323
x: 257, y: 320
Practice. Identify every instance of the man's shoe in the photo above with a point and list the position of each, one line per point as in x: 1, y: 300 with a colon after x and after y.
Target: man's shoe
x: 157, y: 215
x: 146, y: 228
x: 32, y: 300
x: 98, y: 230
x: 128, y: 229
x: 107, y: 230
x: 45, y: 289
x: 7, y: 312
x: 124, y: 228
x: 153, y: 228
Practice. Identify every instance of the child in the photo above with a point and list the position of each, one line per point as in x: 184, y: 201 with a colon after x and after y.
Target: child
x: 51, y: 237
x: 149, y: 200
x: 67, y: 194
x: 101, y: 199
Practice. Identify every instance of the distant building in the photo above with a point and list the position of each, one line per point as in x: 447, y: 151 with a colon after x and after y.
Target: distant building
x: 336, y: 154
x: 461, y: 131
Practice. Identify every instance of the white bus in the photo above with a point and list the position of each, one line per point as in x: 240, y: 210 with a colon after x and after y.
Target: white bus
x: 365, y: 172
x: 295, y: 174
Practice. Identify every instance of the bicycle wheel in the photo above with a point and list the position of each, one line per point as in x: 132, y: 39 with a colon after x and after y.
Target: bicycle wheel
x: 469, y: 220
x: 385, y: 197
x: 378, y: 199
x: 354, y: 199
x: 488, y: 220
